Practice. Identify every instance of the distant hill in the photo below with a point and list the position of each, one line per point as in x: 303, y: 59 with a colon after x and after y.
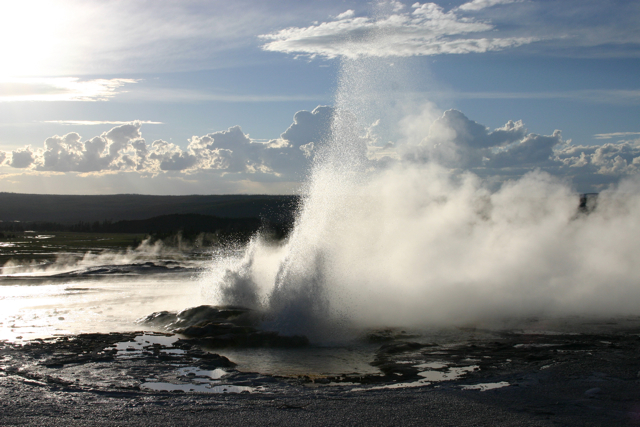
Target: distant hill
x: 69, y: 209
x: 189, y: 223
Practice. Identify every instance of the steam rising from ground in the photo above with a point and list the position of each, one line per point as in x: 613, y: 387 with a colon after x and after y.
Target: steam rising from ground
x: 147, y: 250
x: 414, y: 244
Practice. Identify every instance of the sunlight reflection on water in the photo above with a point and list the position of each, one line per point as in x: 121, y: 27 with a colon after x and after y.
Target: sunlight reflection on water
x: 76, y: 306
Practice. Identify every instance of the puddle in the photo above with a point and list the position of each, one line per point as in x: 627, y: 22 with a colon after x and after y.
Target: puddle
x: 432, y: 365
x: 216, y: 374
x: 448, y: 375
x: 146, y: 342
x: 419, y: 383
x: 436, y: 372
x: 429, y: 377
x: 292, y: 362
x: 486, y: 386
x: 196, y: 380
x: 198, y: 388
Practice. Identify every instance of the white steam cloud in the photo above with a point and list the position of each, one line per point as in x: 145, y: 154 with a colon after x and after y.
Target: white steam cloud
x: 64, y: 263
x: 414, y: 245
x: 429, y: 239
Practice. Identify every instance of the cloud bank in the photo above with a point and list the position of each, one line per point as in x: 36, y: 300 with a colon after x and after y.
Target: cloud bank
x: 570, y: 28
x: 456, y: 142
x: 424, y: 30
x: 231, y: 157
x: 124, y: 37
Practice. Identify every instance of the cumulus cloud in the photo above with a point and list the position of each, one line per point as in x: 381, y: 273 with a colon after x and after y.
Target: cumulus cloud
x: 229, y: 152
x: 169, y: 157
x: 425, y: 30
x: 346, y: 14
x: 288, y: 156
x: 234, y: 152
x: 21, y: 158
x: 608, y: 159
x: 532, y: 151
x: 231, y: 157
x: 309, y: 127
x: 113, y: 150
x: 455, y: 141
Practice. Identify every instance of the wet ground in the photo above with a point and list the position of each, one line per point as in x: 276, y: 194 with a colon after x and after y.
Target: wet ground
x: 518, y: 377
x: 62, y: 364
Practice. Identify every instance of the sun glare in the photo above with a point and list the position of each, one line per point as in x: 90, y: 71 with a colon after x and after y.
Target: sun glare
x: 31, y: 37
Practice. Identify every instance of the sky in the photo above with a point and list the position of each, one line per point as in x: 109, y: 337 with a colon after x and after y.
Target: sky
x: 219, y: 97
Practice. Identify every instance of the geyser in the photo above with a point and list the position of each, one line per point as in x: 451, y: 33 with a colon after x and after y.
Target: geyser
x: 413, y: 244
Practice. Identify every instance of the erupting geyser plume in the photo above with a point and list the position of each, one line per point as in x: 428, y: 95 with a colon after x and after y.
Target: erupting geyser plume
x: 413, y: 244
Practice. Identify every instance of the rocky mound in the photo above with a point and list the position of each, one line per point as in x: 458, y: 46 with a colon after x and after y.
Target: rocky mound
x: 219, y: 327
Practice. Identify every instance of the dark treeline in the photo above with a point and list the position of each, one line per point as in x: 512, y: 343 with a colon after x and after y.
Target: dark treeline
x: 71, y: 209
x: 188, y: 225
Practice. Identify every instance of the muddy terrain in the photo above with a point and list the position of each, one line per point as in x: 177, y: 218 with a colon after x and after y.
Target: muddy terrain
x: 588, y: 376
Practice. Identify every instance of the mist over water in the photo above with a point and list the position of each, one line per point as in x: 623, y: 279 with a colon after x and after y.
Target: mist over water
x: 413, y: 244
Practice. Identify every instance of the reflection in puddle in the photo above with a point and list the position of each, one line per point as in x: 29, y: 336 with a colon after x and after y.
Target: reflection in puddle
x: 419, y: 383
x: 429, y: 377
x: 486, y: 386
x: 145, y: 342
x: 216, y: 374
x: 431, y: 365
x: 199, y: 381
x: 305, y: 361
x: 448, y: 375
x: 88, y: 305
x: 199, y: 388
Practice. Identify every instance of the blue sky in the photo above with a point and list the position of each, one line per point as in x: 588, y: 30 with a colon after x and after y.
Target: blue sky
x: 147, y: 96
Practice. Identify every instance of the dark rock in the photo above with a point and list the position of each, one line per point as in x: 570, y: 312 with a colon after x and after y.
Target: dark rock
x: 387, y: 335
x: 592, y: 392
x: 220, y: 327
x: 159, y: 318
x: 195, y: 316
x: 403, y: 347
x: 212, y: 329
x: 252, y: 339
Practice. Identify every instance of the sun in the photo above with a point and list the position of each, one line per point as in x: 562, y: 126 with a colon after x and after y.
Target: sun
x: 32, y: 34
